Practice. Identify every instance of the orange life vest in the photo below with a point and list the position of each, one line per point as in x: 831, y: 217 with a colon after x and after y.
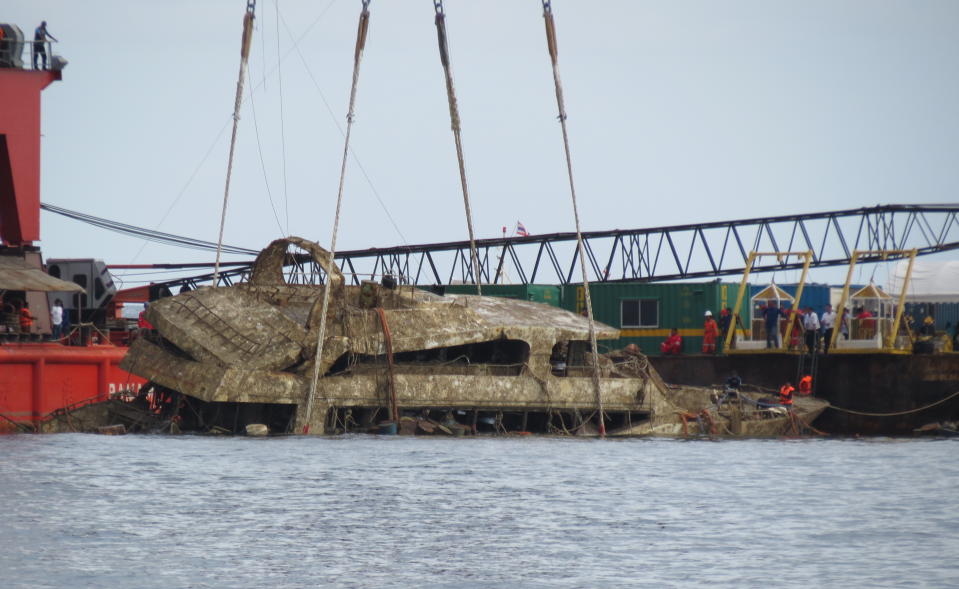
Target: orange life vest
x: 805, y: 385
x: 786, y: 395
x: 26, y: 319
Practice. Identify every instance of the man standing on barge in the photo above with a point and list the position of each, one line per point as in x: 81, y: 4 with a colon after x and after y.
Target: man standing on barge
x: 771, y: 314
x: 810, y: 323
x: 26, y: 319
x: 828, y: 322
x: 56, y: 320
x: 710, y: 332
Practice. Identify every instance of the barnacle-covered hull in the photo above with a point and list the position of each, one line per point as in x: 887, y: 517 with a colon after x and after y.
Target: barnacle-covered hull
x: 225, y: 357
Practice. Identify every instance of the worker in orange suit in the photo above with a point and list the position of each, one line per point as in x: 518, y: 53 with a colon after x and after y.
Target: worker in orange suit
x: 673, y: 344
x: 805, y: 385
x: 710, y: 332
x: 786, y: 395
x: 26, y: 319
x: 867, y: 325
x: 796, y: 316
x: 142, y: 322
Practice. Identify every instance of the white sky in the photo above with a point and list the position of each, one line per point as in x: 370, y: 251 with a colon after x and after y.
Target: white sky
x: 679, y: 112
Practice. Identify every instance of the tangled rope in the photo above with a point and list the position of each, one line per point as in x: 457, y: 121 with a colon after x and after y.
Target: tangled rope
x: 807, y: 425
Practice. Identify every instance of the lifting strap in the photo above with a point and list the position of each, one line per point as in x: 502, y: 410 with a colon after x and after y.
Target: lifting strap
x: 388, y: 341
x: 455, y: 124
x: 238, y: 102
x: 362, y: 29
x: 553, y: 55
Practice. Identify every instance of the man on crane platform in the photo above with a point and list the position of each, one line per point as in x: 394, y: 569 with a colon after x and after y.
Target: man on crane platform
x: 40, y: 36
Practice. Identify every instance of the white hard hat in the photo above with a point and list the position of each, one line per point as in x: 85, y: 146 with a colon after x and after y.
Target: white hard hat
x: 709, y: 313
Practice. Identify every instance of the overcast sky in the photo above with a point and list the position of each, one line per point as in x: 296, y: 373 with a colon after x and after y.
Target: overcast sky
x: 679, y: 112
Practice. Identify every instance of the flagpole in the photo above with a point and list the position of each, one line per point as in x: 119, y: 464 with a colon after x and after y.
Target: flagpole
x: 502, y: 254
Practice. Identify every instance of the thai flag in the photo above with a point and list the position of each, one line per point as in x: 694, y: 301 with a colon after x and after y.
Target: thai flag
x: 521, y: 230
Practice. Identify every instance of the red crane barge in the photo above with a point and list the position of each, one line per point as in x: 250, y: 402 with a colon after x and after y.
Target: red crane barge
x: 40, y: 375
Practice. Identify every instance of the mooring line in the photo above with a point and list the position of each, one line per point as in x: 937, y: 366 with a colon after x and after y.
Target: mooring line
x: 897, y: 413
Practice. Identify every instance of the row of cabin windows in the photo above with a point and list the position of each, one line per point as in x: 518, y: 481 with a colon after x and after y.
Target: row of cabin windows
x: 81, y: 279
x: 98, y: 288
x: 639, y: 313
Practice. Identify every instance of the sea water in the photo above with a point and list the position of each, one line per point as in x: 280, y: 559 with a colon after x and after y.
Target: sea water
x: 366, y: 511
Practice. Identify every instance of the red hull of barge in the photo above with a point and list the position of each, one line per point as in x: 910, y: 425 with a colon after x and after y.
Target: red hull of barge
x: 38, y: 379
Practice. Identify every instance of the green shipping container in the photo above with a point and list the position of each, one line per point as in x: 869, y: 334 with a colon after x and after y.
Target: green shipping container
x: 539, y: 293
x: 645, y: 312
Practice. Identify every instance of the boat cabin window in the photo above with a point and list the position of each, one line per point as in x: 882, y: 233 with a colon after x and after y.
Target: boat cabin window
x: 504, y: 352
x: 576, y: 353
x: 80, y: 300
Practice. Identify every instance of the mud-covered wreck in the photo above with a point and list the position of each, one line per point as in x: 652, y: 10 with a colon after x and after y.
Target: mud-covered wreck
x: 398, y: 357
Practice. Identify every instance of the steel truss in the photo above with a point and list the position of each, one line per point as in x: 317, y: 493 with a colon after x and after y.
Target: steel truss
x: 679, y: 252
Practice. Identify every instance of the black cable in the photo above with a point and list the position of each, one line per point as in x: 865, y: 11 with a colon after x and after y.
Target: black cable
x: 148, y: 234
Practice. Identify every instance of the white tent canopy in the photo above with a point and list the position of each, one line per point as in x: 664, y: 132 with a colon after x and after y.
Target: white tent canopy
x: 933, y: 282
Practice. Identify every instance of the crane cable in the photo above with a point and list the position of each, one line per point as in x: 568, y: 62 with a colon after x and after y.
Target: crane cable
x: 279, y: 85
x: 244, y: 57
x: 362, y: 29
x: 259, y: 150
x: 553, y: 54
x: 356, y: 158
x: 148, y: 235
x: 455, y: 124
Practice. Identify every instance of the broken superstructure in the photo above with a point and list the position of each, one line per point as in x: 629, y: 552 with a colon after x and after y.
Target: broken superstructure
x: 228, y: 357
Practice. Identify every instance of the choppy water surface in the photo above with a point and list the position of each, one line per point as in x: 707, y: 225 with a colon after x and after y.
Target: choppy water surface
x: 143, y: 511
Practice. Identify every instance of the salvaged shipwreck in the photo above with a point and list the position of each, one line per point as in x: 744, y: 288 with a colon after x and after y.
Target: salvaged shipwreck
x: 397, y: 358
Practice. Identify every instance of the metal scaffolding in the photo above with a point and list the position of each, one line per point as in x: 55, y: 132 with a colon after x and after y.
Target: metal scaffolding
x: 679, y: 252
